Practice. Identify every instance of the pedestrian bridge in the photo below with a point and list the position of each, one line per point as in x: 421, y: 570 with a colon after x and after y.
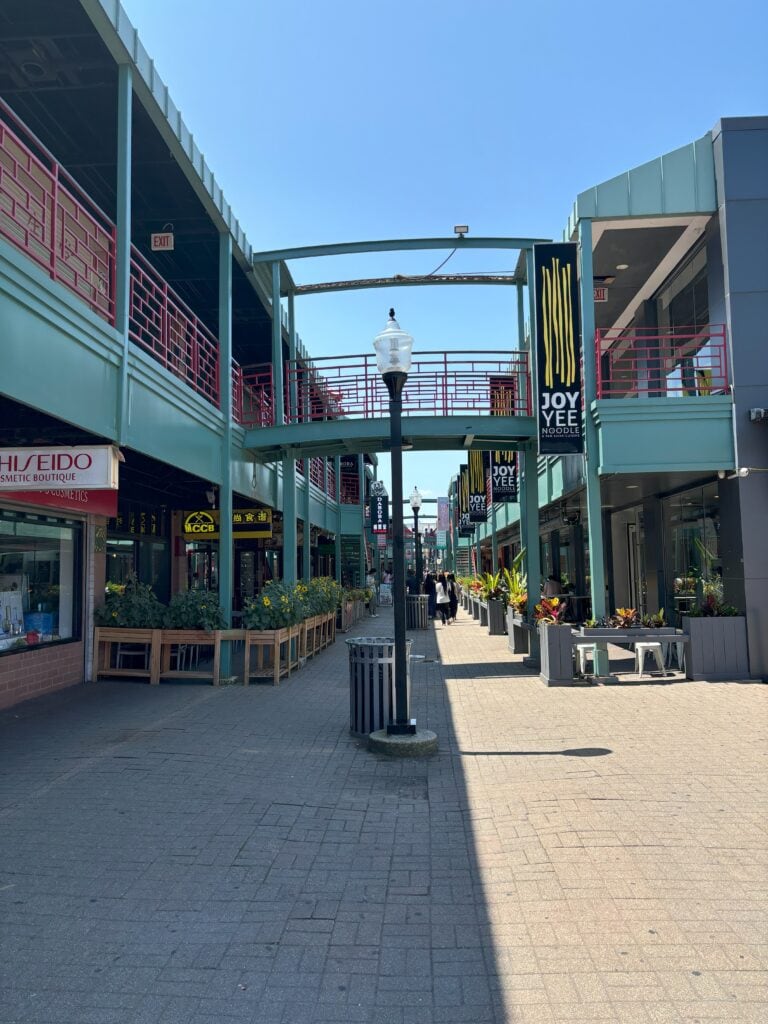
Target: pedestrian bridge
x: 340, y: 404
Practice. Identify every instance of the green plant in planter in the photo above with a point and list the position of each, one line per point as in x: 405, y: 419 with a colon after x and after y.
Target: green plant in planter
x: 516, y: 585
x: 624, y: 618
x: 136, y: 607
x: 275, y: 608
x: 194, y: 609
x: 654, y: 621
x: 491, y: 588
x: 711, y: 607
x: 550, y: 611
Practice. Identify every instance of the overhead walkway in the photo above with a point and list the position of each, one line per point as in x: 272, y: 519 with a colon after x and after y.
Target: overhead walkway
x: 339, y: 405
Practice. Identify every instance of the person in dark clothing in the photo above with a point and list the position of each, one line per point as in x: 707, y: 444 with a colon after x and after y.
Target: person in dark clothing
x: 411, y: 583
x: 453, y: 596
x: 430, y: 589
x: 442, y: 599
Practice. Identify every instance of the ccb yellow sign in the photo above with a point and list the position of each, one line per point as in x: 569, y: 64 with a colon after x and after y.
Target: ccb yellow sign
x: 247, y: 523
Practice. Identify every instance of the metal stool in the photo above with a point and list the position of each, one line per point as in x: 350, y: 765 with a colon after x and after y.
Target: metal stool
x: 651, y: 647
x: 674, y: 648
x: 584, y: 651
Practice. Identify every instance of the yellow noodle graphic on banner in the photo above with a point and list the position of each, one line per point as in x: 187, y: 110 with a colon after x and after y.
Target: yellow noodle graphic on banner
x: 557, y: 324
x: 476, y: 472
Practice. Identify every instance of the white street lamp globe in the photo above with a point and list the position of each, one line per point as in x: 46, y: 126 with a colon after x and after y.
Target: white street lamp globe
x: 393, y: 348
x: 415, y: 499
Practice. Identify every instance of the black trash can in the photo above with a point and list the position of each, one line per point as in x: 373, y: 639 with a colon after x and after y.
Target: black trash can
x: 416, y: 609
x: 372, y: 682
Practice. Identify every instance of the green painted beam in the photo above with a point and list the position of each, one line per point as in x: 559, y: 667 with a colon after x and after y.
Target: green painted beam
x: 402, y: 281
x: 338, y: 437
x: 393, y: 245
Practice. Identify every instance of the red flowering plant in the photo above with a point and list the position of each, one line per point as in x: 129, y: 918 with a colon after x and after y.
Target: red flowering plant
x: 550, y: 611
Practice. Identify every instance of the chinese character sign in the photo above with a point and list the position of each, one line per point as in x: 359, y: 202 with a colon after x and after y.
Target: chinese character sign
x: 558, y: 349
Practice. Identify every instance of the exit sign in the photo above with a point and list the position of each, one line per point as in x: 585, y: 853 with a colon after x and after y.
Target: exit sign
x: 601, y: 293
x: 162, y: 241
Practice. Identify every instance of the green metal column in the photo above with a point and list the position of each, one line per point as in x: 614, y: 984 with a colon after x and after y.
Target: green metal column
x: 520, y: 316
x: 290, y: 531
x: 494, y: 559
x: 123, y: 243
x: 478, y: 548
x: 226, y: 554
x: 592, y: 452
x: 337, y: 552
x: 529, y: 509
x: 529, y: 504
x: 363, y: 556
x: 307, y: 545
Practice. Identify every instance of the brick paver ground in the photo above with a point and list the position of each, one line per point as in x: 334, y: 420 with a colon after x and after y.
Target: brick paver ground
x: 186, y: 855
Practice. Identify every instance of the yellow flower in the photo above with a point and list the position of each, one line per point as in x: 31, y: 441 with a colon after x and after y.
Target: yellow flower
x: 266, y: 602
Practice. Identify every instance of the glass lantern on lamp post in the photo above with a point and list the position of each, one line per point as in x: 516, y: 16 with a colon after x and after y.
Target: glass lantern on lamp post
x: 415, y: 500
x: 393, y: 358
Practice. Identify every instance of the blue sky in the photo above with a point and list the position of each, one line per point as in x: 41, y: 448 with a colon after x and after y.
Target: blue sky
x: 346, y: 120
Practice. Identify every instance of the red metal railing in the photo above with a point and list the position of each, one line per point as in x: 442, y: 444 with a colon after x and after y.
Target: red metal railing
x: 257, y: 406
x: 317, y: 473
x: 331, y: 479
x: 443, y: 384
x: 45, y: 214
x: 350, y: 489
x: 657, y: 363
x: 237, y: 392
x: 164, y: 325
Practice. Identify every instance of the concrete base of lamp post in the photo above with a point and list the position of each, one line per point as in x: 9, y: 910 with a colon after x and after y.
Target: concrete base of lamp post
x: 422, y: 743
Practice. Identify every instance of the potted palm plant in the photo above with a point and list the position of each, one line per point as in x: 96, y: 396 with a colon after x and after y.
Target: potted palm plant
x: 493, y: 597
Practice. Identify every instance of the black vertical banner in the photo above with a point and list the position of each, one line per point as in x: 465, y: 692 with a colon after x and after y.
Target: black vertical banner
x: 379, y: 514
x: 478, y: 510
x: 466, y: 529
x: 558, y: 348
x: 502, y: 475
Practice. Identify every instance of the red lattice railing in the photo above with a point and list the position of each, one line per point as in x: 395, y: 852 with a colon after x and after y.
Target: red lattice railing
x: 45, y: 214
x: 164, y: 325
x: 648, y: 361
x: 257, y: 406
x: 350, y: 488
x: 331, y: 478
x: 317, y: 473
x: 442, y: 384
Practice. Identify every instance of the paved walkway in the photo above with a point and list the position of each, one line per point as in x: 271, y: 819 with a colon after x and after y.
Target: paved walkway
x: 190, y: 855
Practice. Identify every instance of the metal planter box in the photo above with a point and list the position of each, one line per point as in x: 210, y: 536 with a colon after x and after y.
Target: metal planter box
x: 717, y: 647
x: 518, y: 632
x: 556, y: 654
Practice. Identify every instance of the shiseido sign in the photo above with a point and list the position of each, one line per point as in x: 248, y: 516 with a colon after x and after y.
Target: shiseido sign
x: 40, y: 469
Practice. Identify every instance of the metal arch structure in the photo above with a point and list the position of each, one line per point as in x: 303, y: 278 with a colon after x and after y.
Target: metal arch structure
x: 296, y: 440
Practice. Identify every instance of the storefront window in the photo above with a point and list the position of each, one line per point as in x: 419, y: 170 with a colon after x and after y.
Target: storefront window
x: 692, y: 557
x: 39, y: 580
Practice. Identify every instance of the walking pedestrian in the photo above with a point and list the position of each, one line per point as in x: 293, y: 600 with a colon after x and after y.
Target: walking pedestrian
x: 430, y: 589
x: 453, y: 596
x: 442, y: 599
x: 370, y: 583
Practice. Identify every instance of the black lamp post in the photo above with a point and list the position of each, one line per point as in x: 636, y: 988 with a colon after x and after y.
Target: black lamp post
x: 415, y: 500
x: 393, y: 357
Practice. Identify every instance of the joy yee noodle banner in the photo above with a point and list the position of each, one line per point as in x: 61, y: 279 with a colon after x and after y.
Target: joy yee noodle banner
x: 466, y: 529
x: 501, y: 468
x: 478, y: 509
x: 558, y: 349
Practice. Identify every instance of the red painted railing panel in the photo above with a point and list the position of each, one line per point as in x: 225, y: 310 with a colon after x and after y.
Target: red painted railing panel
x: 165, y: 326
x: 237, y: 392
x: 442, y: 384
x: 257, y: 404
x: 317, y: 473
x: 331, y: 479
x: 350, y: 488
x: 657, y: 363
x: 45, y: 214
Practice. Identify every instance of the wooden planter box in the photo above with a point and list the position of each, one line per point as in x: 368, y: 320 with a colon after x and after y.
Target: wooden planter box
x: 556, y: 644
x: 182, y: 640
x: 271, y: 653
x: 475, y: 607
x: 108, y: 640
x: 717, y: 647
x: 518, y: 632
x: 328, y: 629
